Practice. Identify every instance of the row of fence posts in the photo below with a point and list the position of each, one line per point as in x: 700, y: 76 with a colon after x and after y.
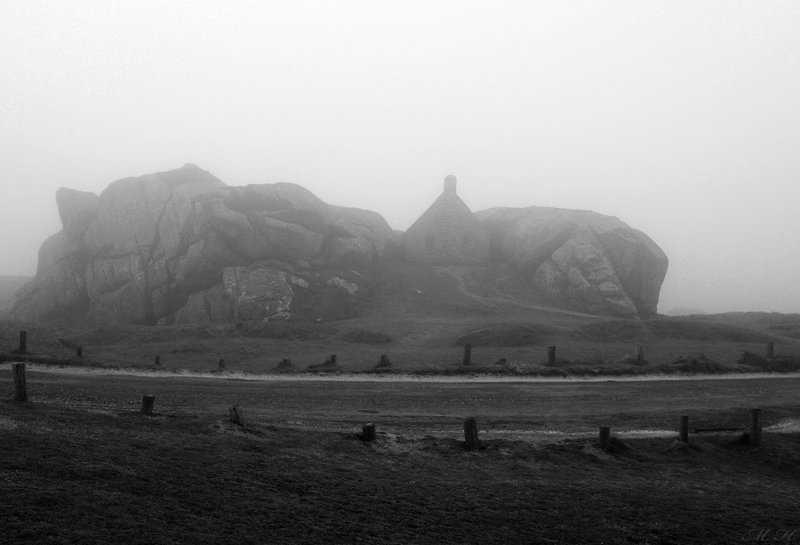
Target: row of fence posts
x: 551, y: 353
x: 384, y: 361
x: 471, y: 440
x: 368, y: 430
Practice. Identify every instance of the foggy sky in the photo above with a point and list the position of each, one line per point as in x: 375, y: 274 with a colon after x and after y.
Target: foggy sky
x: 680, y: 118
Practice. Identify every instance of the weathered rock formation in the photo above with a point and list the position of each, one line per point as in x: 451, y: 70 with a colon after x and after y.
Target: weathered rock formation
x: 183, y: 247
x: 585, y: 260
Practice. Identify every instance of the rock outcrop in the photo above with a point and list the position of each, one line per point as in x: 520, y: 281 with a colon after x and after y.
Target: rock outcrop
x: 183, y: 247
x: 149, y: 246
x: 587, y: 261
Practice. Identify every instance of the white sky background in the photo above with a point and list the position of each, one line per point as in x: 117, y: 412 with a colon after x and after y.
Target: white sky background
x: 680, y: 118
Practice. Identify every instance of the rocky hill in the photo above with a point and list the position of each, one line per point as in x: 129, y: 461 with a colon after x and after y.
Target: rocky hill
x: 183, y: 247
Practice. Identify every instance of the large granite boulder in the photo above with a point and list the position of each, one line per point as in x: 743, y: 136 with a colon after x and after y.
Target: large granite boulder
x: 587, y: 261
x: 359, y: 237
x: 244, y: 294
x: 76, y: 209
x: 151, y: 246
x: 59, y: 288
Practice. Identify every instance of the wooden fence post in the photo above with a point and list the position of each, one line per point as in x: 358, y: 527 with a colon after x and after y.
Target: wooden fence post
x: 23, y: 342
x: 237, y: 415
x: 770, y: 350
x: 471, y: 432
x: 551, y: 355
x: 148, y: 402
x: 332, y: 359
x: 368, y: 432
x: 222, y: 364
x: 384, y: 361
x: 79, y: 352
x: 684, y: 435
x: 605, y: 437
x: 639, y: 354
x: 755, y: 427
x: 157, y: 361
x: 467, y: 354
x: 20, y: 384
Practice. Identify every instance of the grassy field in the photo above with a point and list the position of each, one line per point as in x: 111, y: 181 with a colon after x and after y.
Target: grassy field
x: 79, y: 465
x: 421, y: 318
x: 431, y: 345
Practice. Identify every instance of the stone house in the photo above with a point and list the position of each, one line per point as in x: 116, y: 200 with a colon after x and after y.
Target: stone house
x: 447, y: 232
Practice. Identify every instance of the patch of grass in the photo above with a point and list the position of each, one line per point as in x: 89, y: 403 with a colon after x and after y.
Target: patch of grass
x: 70, y: 476
x: 365, y: 336
x: 503, y: 335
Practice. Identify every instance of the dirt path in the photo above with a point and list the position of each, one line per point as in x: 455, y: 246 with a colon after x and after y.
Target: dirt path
x: 457, y: 274
x: 545, y: 411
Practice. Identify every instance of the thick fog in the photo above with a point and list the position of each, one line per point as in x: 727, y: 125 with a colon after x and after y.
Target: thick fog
x: 680, y: 118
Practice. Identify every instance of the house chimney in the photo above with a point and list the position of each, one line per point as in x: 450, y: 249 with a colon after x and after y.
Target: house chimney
x: 450, y: 184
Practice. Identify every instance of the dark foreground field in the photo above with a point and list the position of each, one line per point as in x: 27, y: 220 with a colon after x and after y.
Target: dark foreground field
x: 79, y: 465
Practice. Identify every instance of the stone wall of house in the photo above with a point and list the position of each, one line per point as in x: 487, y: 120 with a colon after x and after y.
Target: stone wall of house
x: 447, y: 233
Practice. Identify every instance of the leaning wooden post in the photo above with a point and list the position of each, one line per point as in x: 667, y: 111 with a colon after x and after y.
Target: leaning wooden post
x: 467, y: 354
x: 755, y: 427
x: 20, y: 385
x: 770, y: 350
x: 237, y: 415
x: 23, y: 342
x: 605, y: 437
x: 148, y: 402
x: 368, y: 432
x: 551, y: 355
x: 684, y: 436
x: 471, y: 432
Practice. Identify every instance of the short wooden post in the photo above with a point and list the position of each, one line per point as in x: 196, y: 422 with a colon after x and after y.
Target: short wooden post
x: 684, y: 435
x: 368, y: 432
x: 148, y: 402
x: 551, y: 355
x: 157, y: 361
x: 20, y: 384
x: 467, y: 354
x: 23, y: 342
x: 384, y: 361
x: 605, y: 437
x: 79, y: 352
x: 222, y: 364
x: 639, y: 354
x: 471, y: 432
x: 770, y: 350
x: 755, y: 427
x: 332, y: 359
x: 237, y: 415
